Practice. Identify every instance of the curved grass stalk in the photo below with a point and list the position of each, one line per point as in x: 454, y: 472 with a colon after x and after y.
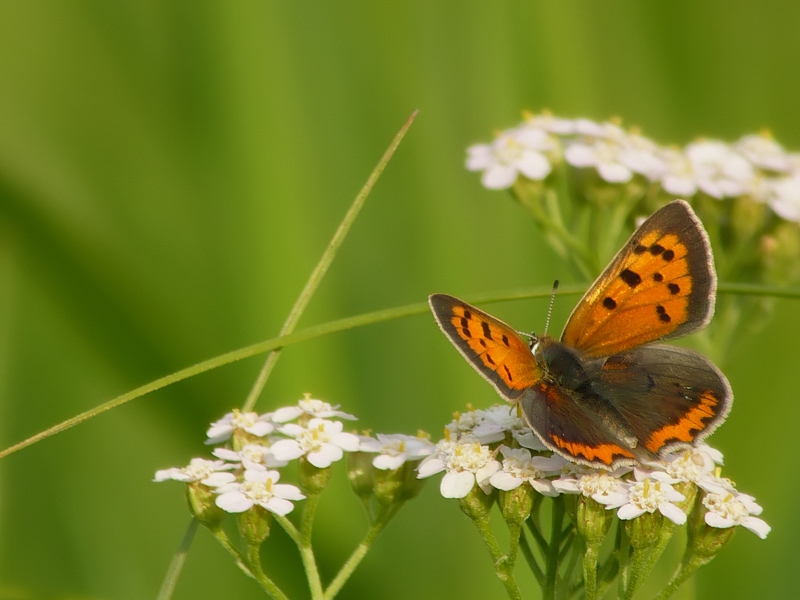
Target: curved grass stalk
x: 309, y: 333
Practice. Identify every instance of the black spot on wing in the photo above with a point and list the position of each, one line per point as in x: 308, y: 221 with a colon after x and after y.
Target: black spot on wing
x: 609, y: 303
x: 487, y: 332
x: 630, y: 277
x: 639, y: 249
x: 505, y: 340
x: 656, y: 249
x: 674, y: 288
x: 662, y: 314
x: 658, y: 277
x: 508, y: 373
x: 668, y: 255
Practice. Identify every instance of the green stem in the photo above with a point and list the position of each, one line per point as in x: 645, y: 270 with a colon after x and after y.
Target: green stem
x: 574, y: 549
x: 687, y: 568
x: 178, y: 560
x: 636, y: 572
x: 590, y: 557
x: 551, y: 576
x: 306, y: 549
x: 527, y: 552
x: 252, y: 568
x: 536, y: 532
x: 324, y: 263
x: 624, y: 549
x: 358, y: 554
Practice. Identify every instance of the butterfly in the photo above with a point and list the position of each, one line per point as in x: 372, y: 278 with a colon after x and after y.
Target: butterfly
x: 604, y: 395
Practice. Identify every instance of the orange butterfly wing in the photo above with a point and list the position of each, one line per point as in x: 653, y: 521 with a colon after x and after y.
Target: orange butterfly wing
x: 660, y: 285
x: 492, y: 347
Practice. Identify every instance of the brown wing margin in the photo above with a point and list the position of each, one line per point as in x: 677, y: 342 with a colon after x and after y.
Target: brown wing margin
x: 660, y: 285
x: 495, y: 350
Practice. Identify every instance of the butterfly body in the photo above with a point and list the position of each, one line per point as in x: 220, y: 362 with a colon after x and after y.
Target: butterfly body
x: 604, y: 395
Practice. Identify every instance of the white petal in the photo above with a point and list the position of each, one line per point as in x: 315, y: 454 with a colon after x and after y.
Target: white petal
x: 457, y: 484
x: 570, y: 486
x: 614, y: 173
x: 234, y: 502
x: 287, y: 491
x: 292, y: 429
x: 534, y: 165
x: 218, y: 479
x: 260, y: 429
x: 173, y: 473
x: 629, y: 511
x: 325, y: 456
x: 487, y: 470
x: 679, y: 186
x: 757, y: 526
x: 580, y: 155
x: 227, y: 454
x: 480, y: 157
x: 384, y: 462
x: 505, y: 481
x: 287, y: 413
x: 673, y: 513
x: 499, y: 177
x: 712, y: 519
x: 346, y: 441
x: 286, y: 450
x: 430, y: 467
x: 529, y: 440
x: 279, y: 506
x: 544, y: 487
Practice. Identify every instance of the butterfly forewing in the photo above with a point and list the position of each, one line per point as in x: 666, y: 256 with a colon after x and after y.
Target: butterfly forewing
x: 660, y: 285
x: 491, y: 346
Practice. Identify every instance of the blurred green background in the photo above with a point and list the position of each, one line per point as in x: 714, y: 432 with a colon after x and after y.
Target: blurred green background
x: 170, y: 173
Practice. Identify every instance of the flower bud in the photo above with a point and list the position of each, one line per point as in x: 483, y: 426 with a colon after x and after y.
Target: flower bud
x: 202, y: 505
x: 361, y: 474
x: 592, y: 519
x: 254, y: 525
x: 476, y: 505
x: 705, y: 541
x: 312, y: 479
x: 516, y: 504
x: 643, y: 530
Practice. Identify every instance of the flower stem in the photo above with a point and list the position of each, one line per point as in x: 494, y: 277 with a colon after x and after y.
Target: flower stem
x: 306, y: 549
x: 359, y: 553
x: 590, y: 556
x: 688, y: 566
x: 251, y: 566
x: 527, y: 552
x: 551, y: 576
x: 324, y: 262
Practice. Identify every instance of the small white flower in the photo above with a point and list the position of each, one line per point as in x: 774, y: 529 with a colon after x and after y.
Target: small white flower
x: 784, y: 197
x: 648, y: 494
x: 519, y: 466
x: 310, y: 406
x: 259, y: 487
x: 252, y: 423
x: 465, y: 422
x: 679, y: 177
x: 692, y: 464
x: 764, y: 152
x: 729, y: 509
x: 551, y: 124
x: 495, y: 421
x: 208, y: 472
x: 602, y: 155
x: 605, y: 131
x: 601, y: 486
x: 395, y: 449
x: 321, y: 441
x: 520, y: 150
x: 720, y: 171
x: 252, y: 456
x: 465, y: 461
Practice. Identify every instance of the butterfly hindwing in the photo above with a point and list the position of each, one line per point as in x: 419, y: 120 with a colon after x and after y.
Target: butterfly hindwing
x: 492, y: 347
x: 660, y: 285
x: 669, y: 396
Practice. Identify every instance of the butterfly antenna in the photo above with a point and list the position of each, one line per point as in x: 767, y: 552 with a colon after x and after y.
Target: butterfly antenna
x: 550, y: 310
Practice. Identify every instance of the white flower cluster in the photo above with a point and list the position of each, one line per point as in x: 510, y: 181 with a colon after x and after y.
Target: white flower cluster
x: 755, y: 166
x: 467, y: 459
x: 247, y: 477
